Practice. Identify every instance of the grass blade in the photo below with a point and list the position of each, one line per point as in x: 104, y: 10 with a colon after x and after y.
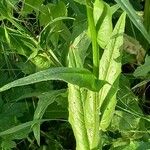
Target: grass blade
x: 45, y: 99
x: 127, y: 7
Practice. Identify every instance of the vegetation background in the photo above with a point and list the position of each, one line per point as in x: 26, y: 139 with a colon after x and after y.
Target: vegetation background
x: 36, y: 35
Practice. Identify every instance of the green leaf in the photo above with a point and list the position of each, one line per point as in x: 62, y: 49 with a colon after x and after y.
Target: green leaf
x: 122, y: 122
x: 17, y: 128
x: 30, y: 5
x: 91, y: 113
x: 126, y: 6
x: 76, y: 76
x: 56, y: 111
x: 45, y: 99
x: 109, y: 70
x: 126, y: 99
x: 5, y: 9
x: 103, y: 20
x: 80, y: 1
x: 143, y: 70
x: 133, y: 145
x: 76, y: 117
x: 50, y: 12
x: 79, y: 49
x: 10, y: 114
x: 8, y: 144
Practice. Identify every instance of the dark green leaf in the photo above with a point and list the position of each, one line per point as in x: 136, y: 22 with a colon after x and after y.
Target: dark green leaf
x: 76, y: 76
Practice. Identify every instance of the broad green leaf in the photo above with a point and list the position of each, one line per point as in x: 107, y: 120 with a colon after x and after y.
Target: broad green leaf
x: 103, y: 20
x: 122, y: 122
x: 52, y: 27
x: 143, y: 70
x: 79, y: 49
x: 108, y: 107
x: 76, y: 76
x: 76, y: 99
x: 132, y: 145
x: 109, y: 70
x: 30, y: 5
x: 9, y: 117
x: 127, y: 7
x: 50, y: 12
x: 91, y: 115
x: 126, y: 98
x: 7, y: 144
x: 76, y: 117
x: 45, y: 99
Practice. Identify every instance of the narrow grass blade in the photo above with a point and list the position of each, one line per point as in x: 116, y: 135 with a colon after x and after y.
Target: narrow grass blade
x: 17, y: 128
x: 127, y: 7
x: 45, y: 99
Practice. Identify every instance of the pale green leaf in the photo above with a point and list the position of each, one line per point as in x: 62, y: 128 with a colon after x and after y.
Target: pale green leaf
x: 103, y: 20
x: 109, y: 70
x: 76, y: 117
x: 78, y: 49
x: 91, y: 115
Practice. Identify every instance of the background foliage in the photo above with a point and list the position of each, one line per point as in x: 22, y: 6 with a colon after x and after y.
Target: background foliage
x: 37, y: 35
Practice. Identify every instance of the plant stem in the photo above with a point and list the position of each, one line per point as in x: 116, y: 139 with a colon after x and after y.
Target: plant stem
x: 92, y: 114
x: 147, y: 18
x: 147, y: 15
x: 93, y: 35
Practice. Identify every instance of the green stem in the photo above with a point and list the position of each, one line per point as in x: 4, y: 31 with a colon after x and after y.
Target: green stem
x: 147, y: 15
x: 147, y: 18
x: 92, y: 113
x: 93, y: 34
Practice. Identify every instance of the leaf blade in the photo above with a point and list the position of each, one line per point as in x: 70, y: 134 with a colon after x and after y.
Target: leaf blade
x: 127, y: 7
x: 77, y: 76
x: 110, y: 69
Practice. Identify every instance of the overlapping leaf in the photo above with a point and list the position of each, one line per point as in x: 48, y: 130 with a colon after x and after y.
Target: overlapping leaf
x: 109, y: 70
x: 76, y: 76
x: 45, y: 99
x: 103, y: 20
